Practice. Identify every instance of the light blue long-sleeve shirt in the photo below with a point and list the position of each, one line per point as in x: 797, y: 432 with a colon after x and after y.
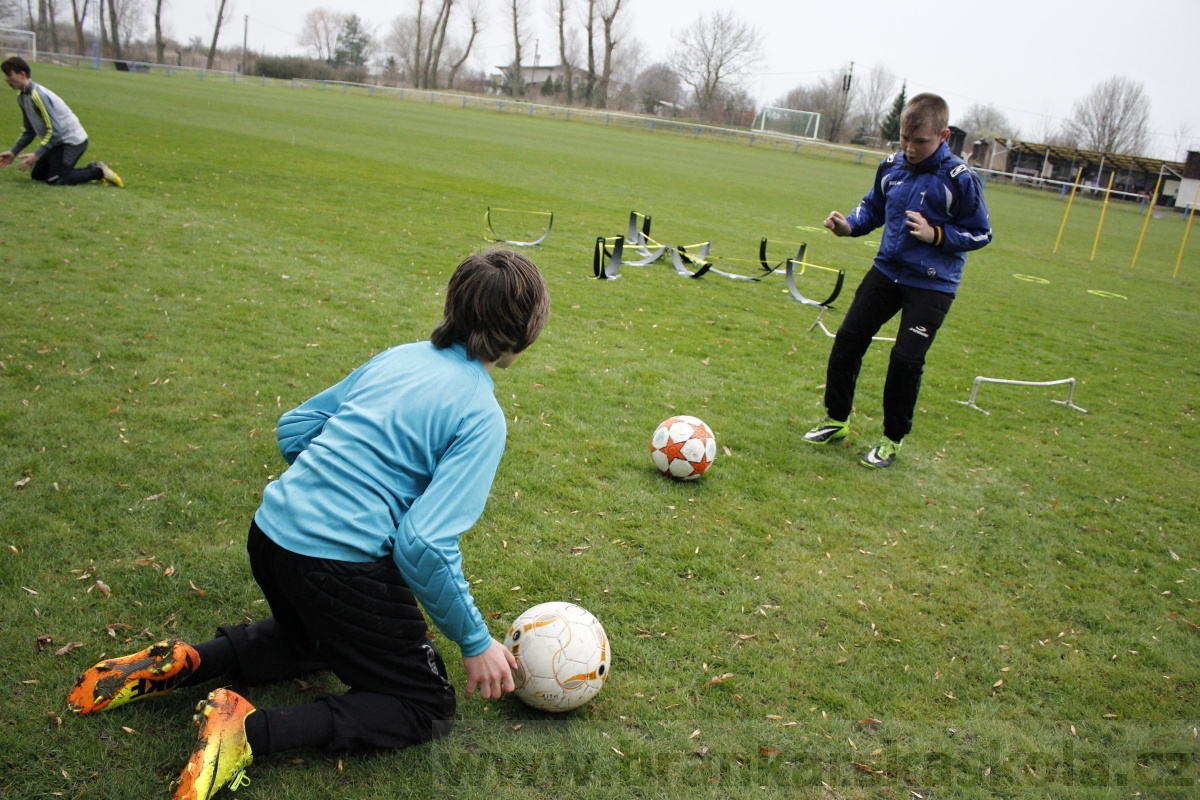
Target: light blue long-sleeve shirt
x: 394, y: 460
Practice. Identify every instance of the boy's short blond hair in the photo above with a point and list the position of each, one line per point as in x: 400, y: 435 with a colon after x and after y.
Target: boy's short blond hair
x: 925, y: 109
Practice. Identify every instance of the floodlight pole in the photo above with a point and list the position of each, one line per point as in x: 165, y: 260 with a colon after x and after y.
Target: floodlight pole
x: 245, y: 36
x: 1186, y: 230
x: 1146, y: 222
x: 1070, y: 200
x: 1103, y: 211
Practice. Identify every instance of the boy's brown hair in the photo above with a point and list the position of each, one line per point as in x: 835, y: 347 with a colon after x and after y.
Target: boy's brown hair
x: 496, y: 303
x: 925, y: 109
x: 15, y: 64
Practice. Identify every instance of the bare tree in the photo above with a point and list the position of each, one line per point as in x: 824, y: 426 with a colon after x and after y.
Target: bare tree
x: 1183, y: 141
x: 986, y: 122
x: 405, y: 41
x: 159, y: 43
x: 607, y: 10
x: 78, y: 15
x: 114, y: 28
x: 875, y: 96
x: 475, y: 19
x: 221, y: 20
x: 1114, y: 117
x: 589, y: 86
x: 559, y: 10
x: 517, y: 7
x: 715, y: 51
x: 320, y: 32
x: 657, y: 87
x: 421, y: 45
x: 53, y: 25
x: 130, y: 19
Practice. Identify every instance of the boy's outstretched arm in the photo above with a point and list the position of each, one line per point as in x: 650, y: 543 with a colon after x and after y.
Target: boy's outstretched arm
x: 491, y: 671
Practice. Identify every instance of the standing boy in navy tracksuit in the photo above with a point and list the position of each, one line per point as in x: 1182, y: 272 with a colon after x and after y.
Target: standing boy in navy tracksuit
x: 932, y: 212
x: 388, y: 468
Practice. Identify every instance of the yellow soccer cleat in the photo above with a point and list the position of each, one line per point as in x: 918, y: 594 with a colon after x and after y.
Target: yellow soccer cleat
x: 110, y: 176
x: 156, y: 670
x: 222, y: 751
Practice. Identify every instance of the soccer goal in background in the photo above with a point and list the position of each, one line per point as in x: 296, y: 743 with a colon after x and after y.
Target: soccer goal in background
x: 16, y: 42
x: 789, y: 121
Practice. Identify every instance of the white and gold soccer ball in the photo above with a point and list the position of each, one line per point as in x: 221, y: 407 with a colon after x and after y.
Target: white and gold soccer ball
x: 683, y: 447
x: 562, y: 656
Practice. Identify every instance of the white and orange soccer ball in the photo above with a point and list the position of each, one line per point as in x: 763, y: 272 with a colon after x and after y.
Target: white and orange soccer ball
x: 683, y: 447
x: 562, y: 656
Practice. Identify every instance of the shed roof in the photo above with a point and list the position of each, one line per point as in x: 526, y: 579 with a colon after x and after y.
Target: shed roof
x: 1095, y: 157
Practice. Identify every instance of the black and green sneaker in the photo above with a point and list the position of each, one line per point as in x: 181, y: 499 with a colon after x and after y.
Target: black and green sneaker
x: 830, y: 430
x: 882, y: 455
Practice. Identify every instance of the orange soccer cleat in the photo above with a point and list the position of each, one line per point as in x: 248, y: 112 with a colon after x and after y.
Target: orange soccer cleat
x: 222, y: 750
x: 156, y: 670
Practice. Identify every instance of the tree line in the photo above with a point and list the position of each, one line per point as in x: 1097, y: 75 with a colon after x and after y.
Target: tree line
x: 600, y: 64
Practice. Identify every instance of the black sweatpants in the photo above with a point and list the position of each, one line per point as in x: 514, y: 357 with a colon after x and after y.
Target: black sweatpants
x: 876, y: 301
x: 361, y: 622
x: 57, y: 166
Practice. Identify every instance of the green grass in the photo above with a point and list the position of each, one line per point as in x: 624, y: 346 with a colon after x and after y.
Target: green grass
x: 270, y: 240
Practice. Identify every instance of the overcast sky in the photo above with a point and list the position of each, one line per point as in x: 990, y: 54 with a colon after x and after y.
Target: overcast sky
x: 1030, y: 58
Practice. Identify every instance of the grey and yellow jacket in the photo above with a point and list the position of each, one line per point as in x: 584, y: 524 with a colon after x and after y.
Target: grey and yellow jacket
x: 48, y: 120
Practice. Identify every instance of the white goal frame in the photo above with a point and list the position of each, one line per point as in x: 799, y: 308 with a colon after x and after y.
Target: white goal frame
x: 11, y: 43
x: 802, y: 124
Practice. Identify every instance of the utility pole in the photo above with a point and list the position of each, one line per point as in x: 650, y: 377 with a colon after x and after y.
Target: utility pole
x: 245, y: 36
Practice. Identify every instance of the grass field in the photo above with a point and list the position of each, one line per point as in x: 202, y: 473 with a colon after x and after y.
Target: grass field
x: 1012, y: 603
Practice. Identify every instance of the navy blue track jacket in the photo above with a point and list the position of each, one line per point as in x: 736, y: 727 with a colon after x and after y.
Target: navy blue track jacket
x: 948, y: 194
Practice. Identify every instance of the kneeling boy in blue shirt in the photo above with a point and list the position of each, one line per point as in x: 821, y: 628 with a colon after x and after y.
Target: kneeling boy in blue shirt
x: 388, y: 468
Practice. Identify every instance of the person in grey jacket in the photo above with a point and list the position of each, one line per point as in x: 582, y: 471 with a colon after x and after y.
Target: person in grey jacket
x: 61, y: 140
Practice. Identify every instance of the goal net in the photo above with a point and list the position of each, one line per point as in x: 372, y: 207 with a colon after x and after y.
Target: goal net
x: 16, y: 42
x: 789, y: 121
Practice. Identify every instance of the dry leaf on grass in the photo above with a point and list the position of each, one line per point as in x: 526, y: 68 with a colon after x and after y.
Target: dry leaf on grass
x: 720, y: 678
x: 22, y: 482
x: 770, y: 752
x: 129, y: 730
x: 197, y: 589
x: 863, y: 767
x: 44, y: 640
x: 103, y: 587
x: 112, y: 628
x: 66, y: 648
x: 57, y: 719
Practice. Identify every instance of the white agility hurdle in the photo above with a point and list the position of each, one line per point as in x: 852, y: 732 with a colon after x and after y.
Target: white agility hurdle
x: 970, y: 401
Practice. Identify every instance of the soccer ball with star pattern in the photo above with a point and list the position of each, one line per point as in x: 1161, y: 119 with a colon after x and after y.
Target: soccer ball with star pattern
x: 683, y: 447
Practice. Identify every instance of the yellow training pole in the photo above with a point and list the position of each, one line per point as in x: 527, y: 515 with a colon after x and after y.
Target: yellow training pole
x: 1103, y: 211
x: 1186, y: 230
x: 1070, y: 200
x: 1146, y: 222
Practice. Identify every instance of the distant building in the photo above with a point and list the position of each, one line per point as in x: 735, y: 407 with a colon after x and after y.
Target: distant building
x: 1053, y: 166
x: 533, y: 77
x: 1188, y: 195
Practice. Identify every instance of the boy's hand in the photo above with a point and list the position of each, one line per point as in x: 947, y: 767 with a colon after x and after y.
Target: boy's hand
x: 837, y: 223
x: 25, y: 161
x: 6, y: 158
x: 919, y: 227
x: 491, y: 671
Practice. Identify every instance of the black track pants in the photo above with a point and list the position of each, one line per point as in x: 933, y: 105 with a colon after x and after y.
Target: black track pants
x: 359, y: 621
x: 57, y: 166
x: 876, y: 301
